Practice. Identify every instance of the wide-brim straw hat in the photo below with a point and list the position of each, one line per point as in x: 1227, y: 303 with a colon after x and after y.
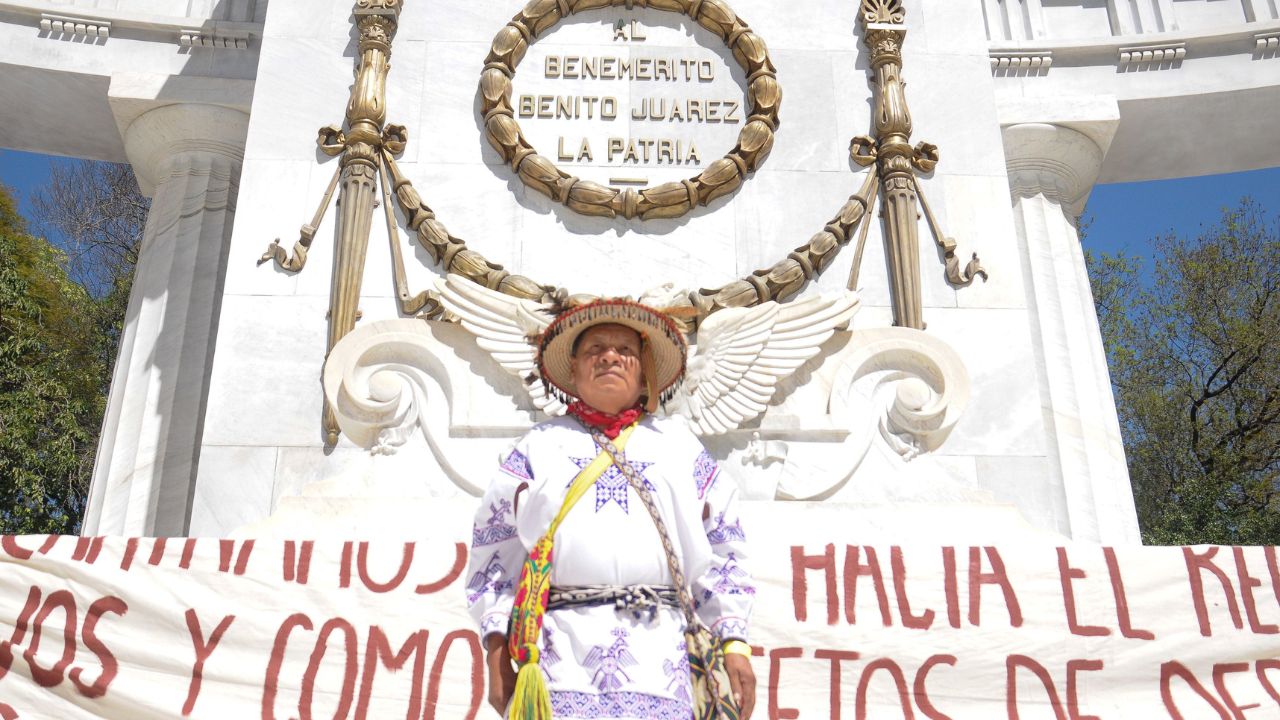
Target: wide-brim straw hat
x: 663, y: 348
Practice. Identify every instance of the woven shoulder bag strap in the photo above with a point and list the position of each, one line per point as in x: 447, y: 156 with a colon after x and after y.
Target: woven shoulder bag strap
x: 673, y: 563
x: 531, y: 700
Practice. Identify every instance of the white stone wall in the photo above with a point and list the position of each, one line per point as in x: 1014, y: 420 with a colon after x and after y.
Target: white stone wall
x: 262, y: 433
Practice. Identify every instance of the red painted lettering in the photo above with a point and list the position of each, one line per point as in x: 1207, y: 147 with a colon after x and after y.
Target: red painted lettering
x: 157, y: 552
x: 378, y: 650
x: 1172, y: 669
x: 362, y: 567
x: 344, y: 566
x: 909, y: 619
x: 10, y: 545
x: 997, y: 576
x: 1247, y: 584
x: 1220, y: 672
x: 271, y: 683
x: 51, y: 676
x: 351, y: 650
x: 951, y: 586
x: 130, y: 549
x: 825, y: 562
x: 1074, y: 668
x: 1197, y: 564
x: 1122, y: 600
x: 106, y: 659
x: 472, y: 641
x: 854, y: 569
x: 899, y: 681
x: 203, y: 651
x: 188, y: 551
x: 1066, y: 575
x: 836, y: 657
x: 19, y: 630
x: 87, y: 549
x: 1274, y: 567
x: 297, y: 561
x: 1011, y: 685
x: 921, y: 690
x: 227, y: 548
x: 1262, y: 667
x: 455, y: 572
x: 776, y: 656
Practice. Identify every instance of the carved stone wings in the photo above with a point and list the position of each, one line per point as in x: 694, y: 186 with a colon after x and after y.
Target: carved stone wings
x: 742, y: 353
x: 503, y: 326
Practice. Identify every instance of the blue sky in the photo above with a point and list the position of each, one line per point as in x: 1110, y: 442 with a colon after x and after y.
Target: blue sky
x: 1123, y: 216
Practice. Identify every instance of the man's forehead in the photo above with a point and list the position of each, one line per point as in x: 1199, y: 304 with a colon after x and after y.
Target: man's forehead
x: 610, y: 331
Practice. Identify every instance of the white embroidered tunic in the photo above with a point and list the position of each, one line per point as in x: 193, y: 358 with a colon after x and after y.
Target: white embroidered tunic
x: 600, y: 661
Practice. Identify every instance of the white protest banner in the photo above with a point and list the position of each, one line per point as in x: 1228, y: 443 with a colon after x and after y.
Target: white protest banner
x: 138, y: 628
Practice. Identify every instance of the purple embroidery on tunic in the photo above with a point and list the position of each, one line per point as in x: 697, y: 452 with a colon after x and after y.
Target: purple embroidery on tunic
x: 704, y: 473
x: 570, y: 704
x: 727, y: 582
x: 493, y: 624
x: 725, y: 532
x: 517, y: 464
x: 613, y: 485
x: 487, y: 580
x: 496, y: 529
x: 549, y: 655
x: 730, y: 628
x: 608, y: 662
x: 678, y: 672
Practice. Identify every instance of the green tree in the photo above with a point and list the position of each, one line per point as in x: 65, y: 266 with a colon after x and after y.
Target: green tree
x: 97, y: 213
x: 1194, y: 353
x: 51, y: 394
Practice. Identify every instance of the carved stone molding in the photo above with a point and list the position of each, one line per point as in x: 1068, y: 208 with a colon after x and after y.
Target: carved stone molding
x: 1010, y: 62
x: 214, y: 39
x: 1268, y: 42
x: 1051, y: 160
x: 75, y: 26
x: 1152, y: 55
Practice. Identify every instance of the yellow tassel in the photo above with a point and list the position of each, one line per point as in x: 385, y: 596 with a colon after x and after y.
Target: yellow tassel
x: 531, y: 700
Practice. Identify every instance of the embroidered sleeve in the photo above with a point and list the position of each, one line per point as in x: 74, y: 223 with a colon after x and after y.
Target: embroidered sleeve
x: 724, y: 593
x: 496, y: 552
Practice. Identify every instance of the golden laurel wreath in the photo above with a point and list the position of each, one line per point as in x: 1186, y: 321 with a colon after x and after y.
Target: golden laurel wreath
x: 668, y: 200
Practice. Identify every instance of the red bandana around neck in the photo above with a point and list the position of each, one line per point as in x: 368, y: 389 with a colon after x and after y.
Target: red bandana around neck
x: 608, y: 424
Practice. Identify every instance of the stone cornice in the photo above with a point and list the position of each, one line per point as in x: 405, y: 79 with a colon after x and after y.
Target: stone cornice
x: 164, y: 28
x: 1243, y: 39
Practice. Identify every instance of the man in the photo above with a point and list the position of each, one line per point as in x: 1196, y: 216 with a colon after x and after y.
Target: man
x: 612, y: 638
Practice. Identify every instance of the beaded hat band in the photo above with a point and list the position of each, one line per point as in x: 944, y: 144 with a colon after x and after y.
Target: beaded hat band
x: 659, y: 334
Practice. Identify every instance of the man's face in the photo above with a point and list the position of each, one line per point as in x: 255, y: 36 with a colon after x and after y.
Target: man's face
x: 606, y: 368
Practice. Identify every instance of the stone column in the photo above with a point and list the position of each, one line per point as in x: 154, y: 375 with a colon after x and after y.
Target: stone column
x: 188, y: 157
x: 1051, y: 171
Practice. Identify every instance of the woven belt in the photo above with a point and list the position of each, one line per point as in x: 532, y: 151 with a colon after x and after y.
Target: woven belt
x: 639, y: 599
